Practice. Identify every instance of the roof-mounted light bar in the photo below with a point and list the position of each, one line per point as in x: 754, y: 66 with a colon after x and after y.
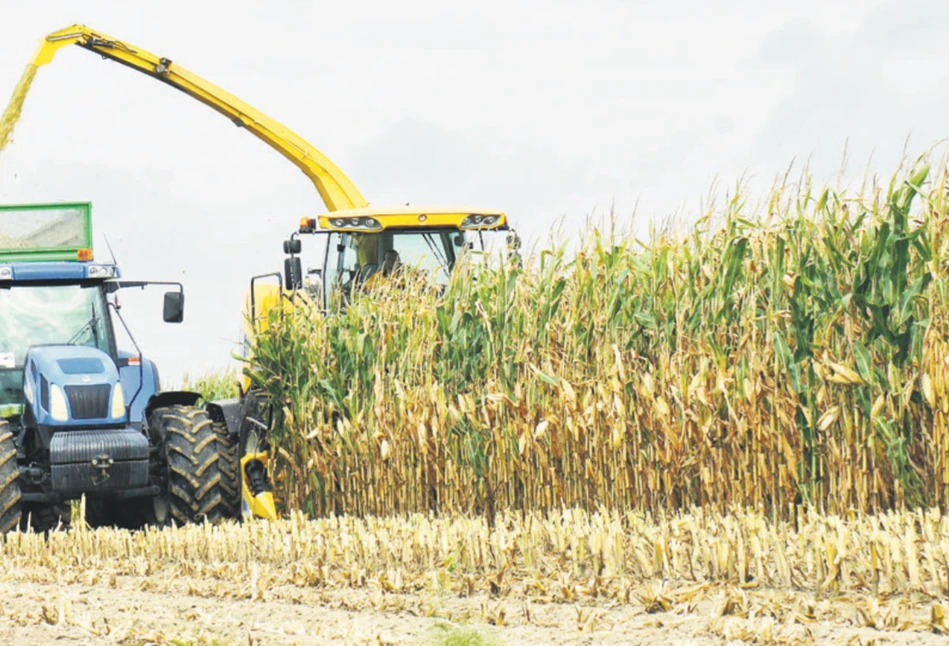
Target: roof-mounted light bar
x: 375, y: 219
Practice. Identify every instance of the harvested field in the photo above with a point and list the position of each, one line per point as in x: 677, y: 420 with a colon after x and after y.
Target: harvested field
x: 572, y: 577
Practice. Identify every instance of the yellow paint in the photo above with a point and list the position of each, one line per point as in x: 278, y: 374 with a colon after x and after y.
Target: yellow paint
x: 336, y: 189
x: 262, y: 505
x: 415, y: 217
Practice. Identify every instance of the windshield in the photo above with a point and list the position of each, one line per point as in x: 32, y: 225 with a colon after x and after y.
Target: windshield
x: 53, y: 314
x: 357, y: 257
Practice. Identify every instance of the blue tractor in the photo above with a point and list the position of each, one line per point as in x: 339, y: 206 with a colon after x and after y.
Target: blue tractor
x: 80, y: 417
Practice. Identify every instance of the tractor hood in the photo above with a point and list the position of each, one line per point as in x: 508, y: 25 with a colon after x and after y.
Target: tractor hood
x: 73, y: 386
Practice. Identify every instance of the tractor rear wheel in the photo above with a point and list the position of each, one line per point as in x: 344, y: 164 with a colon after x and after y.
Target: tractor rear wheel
x: 9, y: 486
x: 46, y: 518
x: 192, y: 456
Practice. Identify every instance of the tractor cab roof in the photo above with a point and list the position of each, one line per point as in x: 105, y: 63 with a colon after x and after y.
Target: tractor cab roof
x: 12, y: 273
x: 375, y: 219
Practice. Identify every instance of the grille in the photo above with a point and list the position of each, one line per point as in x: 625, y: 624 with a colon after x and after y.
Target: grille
x: 89, y: 402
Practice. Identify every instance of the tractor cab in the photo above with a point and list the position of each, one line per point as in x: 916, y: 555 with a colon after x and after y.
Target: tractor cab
x: 59, y: 361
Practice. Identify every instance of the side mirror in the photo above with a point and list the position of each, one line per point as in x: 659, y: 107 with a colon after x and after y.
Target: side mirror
x: 174, y: 310
x: 292, y: 246
x: 292, y: 273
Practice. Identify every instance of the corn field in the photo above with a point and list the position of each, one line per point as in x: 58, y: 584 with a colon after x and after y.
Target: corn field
x: 791, y: 354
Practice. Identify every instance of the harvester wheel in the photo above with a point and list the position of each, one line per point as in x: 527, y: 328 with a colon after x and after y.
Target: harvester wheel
x: 191, y: 452
x: 46, y: 518
x: 230, y: 468
x: 9, y: 486
x: 257, y: 421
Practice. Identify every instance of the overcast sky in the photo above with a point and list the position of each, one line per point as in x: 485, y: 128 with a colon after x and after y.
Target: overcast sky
x: 547, y: 110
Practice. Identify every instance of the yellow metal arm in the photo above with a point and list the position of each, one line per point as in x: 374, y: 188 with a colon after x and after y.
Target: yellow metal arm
x: 337, y: 190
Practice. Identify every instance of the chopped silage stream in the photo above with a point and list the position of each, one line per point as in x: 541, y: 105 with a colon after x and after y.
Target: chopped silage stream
x: 562, y: 578
x: 11, y: 115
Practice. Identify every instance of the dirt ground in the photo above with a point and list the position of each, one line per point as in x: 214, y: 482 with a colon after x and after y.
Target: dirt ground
x: 141, y: 610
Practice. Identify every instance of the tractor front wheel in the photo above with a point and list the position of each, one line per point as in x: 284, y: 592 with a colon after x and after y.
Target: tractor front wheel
x: 191, y: 451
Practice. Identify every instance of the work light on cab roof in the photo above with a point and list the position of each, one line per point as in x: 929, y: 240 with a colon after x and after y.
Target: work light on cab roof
x: 369, y: 219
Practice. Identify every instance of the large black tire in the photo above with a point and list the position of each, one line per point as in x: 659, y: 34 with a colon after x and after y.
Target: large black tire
x: 46, y: 518
x: 230, y: 469
x: 191, y: 450
x: 10, y: 504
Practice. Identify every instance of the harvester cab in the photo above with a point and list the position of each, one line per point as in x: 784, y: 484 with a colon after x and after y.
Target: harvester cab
x: 362, y: 245
x: 78, y: 416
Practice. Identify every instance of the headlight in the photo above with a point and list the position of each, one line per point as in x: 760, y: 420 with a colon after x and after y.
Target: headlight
x: 28, y: 391
x: 475, y: 221
x: 97, y: 271
x: 370, y: 224
x: 118, y: 401
x: 6, y: 273
x: 366, y: 223
x: 57, y: 404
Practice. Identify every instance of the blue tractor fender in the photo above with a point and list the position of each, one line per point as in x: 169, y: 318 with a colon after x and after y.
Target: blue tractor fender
x: 171, y: 398
x: 132, y: 376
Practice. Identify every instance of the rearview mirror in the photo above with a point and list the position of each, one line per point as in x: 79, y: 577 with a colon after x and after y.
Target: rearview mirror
x: 294, y: 245
x: 292, y: 273
x: 174, y: 310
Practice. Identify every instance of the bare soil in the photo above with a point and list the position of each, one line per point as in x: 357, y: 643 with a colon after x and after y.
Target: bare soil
x: 154, y: 610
